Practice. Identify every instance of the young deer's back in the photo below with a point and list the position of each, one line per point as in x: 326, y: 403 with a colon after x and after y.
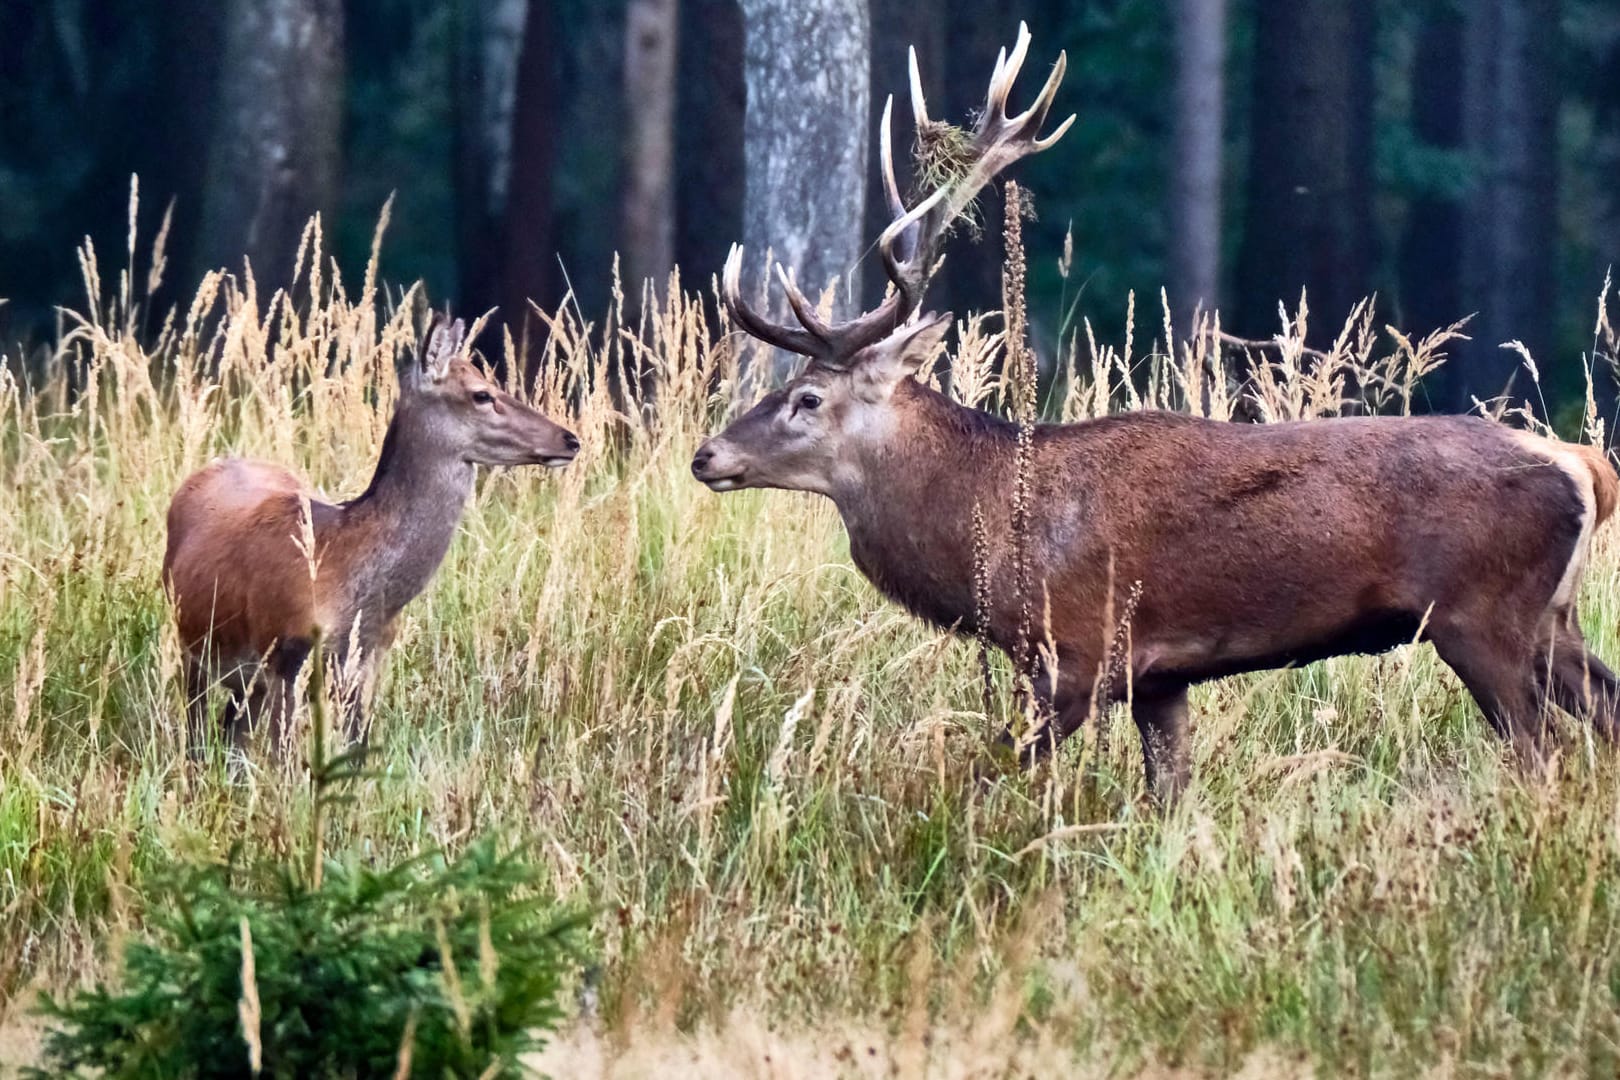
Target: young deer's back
x: 235, y: 565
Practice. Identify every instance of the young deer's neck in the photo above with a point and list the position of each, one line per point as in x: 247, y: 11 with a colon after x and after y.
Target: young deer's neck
x: 909, y: 510
x: 397, y: 532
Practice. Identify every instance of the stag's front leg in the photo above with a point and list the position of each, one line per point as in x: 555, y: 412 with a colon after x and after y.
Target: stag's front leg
x: 1161, y: 720
x: 1054, y: 707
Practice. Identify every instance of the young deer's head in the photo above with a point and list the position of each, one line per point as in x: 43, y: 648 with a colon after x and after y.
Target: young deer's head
x: 450, y: 406
x: 811, y: 435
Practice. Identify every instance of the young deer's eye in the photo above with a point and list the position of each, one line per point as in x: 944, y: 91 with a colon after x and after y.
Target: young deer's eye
x: 483, y: 397
x: 809, y: 402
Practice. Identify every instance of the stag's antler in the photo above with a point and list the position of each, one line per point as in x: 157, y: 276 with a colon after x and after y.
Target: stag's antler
x: 910, y: 245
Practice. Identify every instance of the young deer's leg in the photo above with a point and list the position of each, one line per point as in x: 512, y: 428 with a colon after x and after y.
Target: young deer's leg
x: 281, y: 690
x: 196, y: 680
x: 357, y: 702
x: 357, y: 699
x: 1061, y: 705
x: 242, y: 711
x: 1161, y: 720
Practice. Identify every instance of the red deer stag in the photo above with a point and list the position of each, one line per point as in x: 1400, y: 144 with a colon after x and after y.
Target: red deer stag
x: 1253, y: 546
x: 248, y: 594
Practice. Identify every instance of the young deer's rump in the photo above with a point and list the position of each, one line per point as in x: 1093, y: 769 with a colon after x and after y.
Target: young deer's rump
x: 249, y: 595
x: 1246, y: 546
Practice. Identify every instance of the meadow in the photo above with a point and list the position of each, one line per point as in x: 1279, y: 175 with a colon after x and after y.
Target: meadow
x: 759, y: 774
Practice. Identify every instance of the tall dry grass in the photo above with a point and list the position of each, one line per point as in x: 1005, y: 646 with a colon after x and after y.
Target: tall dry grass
x: 714, y: 729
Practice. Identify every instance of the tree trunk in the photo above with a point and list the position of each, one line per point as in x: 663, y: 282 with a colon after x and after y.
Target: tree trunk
x: 277, y: 141
x: 484, y: 84
x: 190, y: 39
x: 1606, y: 148
x: 1196, y: 160
x: 805, y: 63
x: 710, y: 162
x: 1431, y: 249
x: 1510, y: 120
x: 1309, y: 192
x: 648, y: 223
x: 528, y: 251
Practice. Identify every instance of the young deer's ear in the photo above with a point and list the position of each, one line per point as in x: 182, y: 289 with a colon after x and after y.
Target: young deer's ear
x: 443, y: 344
x: 900, y: 355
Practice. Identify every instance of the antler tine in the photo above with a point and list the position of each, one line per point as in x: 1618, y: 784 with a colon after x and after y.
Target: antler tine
x: 919, y: 103
x: 803, y: 309
x: 1007, y: 68
x: 906, y: 271
x: 783, y: 337
x: 886, y: 156
x: 910, y: 245
x: 1042, y: 144
x: 1033, y: 117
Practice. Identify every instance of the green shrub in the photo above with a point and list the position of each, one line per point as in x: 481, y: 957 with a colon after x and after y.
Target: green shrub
x: 432, y: 967
x: 457, y: 964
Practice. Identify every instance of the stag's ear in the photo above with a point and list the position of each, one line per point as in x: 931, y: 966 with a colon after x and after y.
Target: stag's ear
x: 900, y: 355
x: 444, y: 342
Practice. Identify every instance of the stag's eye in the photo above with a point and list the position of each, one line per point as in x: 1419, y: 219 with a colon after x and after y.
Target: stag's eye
x: 483, y: 397
x: 809, y: 402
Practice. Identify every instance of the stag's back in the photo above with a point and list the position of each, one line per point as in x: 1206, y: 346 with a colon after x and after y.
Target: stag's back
x: 1259, y: 542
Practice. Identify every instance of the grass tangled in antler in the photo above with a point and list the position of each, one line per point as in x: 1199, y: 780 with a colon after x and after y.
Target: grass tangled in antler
x: 943, y: 156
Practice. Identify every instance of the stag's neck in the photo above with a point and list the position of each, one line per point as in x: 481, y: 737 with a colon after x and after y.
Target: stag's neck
x: 393, y: 537
x: 909, y: 506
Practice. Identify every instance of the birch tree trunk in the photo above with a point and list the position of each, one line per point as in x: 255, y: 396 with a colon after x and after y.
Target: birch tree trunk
x: 1196, y: 160
x: 805, y: 144
x: 276, y: 147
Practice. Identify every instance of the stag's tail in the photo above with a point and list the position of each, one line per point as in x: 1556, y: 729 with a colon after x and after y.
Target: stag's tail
x: 1605, y: 484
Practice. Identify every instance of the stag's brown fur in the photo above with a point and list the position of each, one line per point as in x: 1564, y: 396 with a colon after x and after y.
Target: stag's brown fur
x: 1255, y: 546
x: 245, y: 603
x: 1232, y: 547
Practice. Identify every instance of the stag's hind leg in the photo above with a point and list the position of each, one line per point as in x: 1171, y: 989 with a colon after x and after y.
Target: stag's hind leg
x: 1581, y: 684
x: 1498, y: 667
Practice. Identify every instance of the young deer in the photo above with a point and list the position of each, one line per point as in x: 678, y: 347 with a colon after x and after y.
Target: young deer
x: 1252, y: 546
x: 248, y: 596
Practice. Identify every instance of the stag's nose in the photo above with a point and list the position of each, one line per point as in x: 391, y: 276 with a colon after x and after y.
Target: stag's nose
x: 571, y: 441
x: 700, y: 460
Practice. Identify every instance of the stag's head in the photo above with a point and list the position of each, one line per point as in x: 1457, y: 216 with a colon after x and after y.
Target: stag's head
x: 452, y: 407
x: 809, y: 436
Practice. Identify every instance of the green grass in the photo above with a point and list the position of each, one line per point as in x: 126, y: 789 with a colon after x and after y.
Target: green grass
x: 603, y: 670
